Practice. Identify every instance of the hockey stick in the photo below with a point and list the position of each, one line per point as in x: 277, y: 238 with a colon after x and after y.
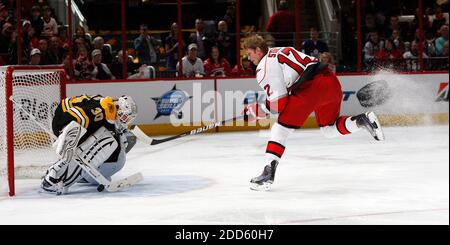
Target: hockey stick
x: 147, y: 139
x: 111, y: 186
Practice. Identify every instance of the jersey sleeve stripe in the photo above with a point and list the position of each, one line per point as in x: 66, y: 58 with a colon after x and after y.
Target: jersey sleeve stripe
x: 82, y: 120
x: 86, y: 118
x: 65, y: 104
x: 66, y: 108
x: 75, y: 116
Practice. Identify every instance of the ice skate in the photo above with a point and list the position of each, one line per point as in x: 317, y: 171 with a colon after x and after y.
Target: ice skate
x: 265, y: 180
x: 370, y: 122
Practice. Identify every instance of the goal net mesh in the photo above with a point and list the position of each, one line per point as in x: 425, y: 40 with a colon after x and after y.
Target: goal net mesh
x: 38, y: 91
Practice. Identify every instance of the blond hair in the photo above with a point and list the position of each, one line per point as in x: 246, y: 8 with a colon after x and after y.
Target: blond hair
x: 256, y: 41
x: 327, y: 55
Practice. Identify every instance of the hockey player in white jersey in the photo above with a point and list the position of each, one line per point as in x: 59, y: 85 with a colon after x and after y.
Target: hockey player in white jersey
x: 297, y: 85
x: 94, y: 129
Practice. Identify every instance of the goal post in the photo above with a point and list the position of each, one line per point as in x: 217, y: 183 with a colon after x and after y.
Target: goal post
x: 25, y: 148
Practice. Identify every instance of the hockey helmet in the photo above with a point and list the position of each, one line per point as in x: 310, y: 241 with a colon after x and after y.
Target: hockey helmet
x: 126, y: 109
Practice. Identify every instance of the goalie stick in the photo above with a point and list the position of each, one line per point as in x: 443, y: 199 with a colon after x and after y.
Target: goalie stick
x: 111, y: 186
x: 149, y: 140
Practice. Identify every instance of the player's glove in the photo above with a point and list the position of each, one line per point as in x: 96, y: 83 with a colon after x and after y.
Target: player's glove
x: 255, y: 108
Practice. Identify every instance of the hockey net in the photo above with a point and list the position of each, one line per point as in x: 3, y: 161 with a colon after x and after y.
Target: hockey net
x: 37, y: 90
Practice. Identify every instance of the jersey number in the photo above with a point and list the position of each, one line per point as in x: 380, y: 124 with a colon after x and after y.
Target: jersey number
x: 98, y: 114
x: 267, y: 88
x: 285, y: 60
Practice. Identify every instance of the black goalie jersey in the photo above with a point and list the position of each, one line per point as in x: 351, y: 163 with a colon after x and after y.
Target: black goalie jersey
x: 91, y: 112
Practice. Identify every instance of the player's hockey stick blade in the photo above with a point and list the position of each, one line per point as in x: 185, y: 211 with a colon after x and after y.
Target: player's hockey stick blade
x: 124, y: 183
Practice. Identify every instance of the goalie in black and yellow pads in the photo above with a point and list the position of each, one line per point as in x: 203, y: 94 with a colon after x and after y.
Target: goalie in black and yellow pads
x: 93, y: 131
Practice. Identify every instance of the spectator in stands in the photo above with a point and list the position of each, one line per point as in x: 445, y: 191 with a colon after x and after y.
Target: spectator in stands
x: 398, y: 41
x: 55, y: 52
x: 200, y: 39
x: 172, y: 47
x: 445, y: 51
x: 147, y: 47
x: 4, y: 15
x: 327, y: 58
x: 439, y: 19
x: 43, y: 47
x: 225, y: 42
x: 101, y: 70
x: 440, y: 41
x: 36, y: 21
x: 33, y: 39
x: 370, y: 25
x: 394, y: 24
x: 50, y: 25
x: 389, y: 56
x: 35, y: 57
x: 5, y: 37
x: 192, y: 64
x: 80, y: 43
x: 26, y: 39
x: 412, y: 56
x: 444, y: 64
x: 215, y: 65
x: 99, y: 43
x: 133, y: 69
x: 66, y: 63
x: 80, y: 33
x: 246, y: 68
x: 415, y: 24
x: 83, y: 67
x: 13, y: 50
x: 389, y: 51
x: 429, y: 44
x: 370, y: 48
x: 230, y: 18
x: 63, y: 37
x: 280, y: 24
x: 314, y: 46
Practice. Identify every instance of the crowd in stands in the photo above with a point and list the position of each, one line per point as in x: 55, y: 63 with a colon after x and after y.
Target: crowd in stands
x: 210, y: 50
x: 391, y: 40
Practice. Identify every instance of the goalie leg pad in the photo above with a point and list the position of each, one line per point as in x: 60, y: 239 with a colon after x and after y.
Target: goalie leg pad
x: 96, y: 149
x: 107, y: 169
x: 60, y: 176
x: 68, y: 140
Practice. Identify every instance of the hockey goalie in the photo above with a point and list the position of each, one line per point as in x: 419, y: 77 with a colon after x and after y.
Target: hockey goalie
x: 93, y: 139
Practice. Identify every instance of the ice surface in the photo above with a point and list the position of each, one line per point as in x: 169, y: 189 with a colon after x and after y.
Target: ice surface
x: 204, y: 179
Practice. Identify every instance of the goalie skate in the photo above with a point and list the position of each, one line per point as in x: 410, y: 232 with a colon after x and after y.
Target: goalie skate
x: 370, y: 121
x: 265, y: 180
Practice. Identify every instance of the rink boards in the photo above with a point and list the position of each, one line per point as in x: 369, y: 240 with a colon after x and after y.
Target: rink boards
x: 172, y: 106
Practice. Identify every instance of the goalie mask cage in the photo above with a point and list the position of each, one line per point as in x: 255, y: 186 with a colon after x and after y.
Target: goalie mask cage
x: 25, y: 147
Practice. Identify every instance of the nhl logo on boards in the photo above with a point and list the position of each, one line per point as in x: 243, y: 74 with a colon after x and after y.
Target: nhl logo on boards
x: 171, y: 103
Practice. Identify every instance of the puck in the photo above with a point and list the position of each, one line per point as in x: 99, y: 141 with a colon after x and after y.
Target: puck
x: 100, y: 188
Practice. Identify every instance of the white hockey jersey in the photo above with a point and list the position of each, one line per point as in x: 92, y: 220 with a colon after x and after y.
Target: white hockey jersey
x: 279, y: 69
